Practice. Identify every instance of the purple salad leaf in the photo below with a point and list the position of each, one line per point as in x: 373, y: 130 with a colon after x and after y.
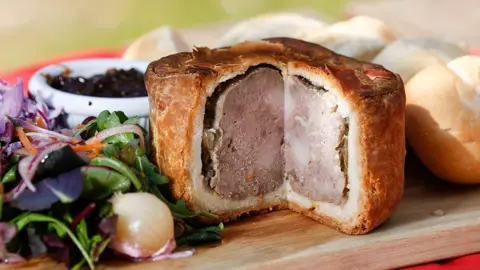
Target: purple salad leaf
x: 29, y: 109
x: 11, y: 102
x: 7, y: 233
x: 7, y: 135
x: 52, y: 240
x: 59, y: 249
x: 108, y: 226
x: 65, y: 187
x: 10, y: 148
x: 61, y: 254
x: 47, y: 115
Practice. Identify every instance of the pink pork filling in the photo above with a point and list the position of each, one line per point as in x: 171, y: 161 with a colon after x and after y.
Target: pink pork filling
x: 261, y: 130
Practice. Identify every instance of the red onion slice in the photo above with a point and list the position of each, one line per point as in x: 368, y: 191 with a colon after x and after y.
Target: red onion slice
x: 67, y: 132
x: 174, y: 255
x: 22, y: 152
x: 45, y: 113
x: 58, y: 136
x: 26, y: 173
x: 165, y: 253
x: 129, y: 128
x: 40, y: 136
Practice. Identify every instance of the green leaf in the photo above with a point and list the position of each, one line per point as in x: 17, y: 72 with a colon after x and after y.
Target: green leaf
x: 96, y: 239
x: 108, y: 120
x: 98, y: 245
x: 127, y: 153
x: 217, y: 228
x: 90, y: 124
x: 157, y: 179
x: 132, y: 120
x: 121, y: 116
x: 66, y: 215
x: 112, y: 121
x: 52, y: 228
x: 106, y: 210
x: 197, y: 238
x: 111, y: 151
x: 120, y: 139
x: 10, y: 176
x: 79, y: 265
x: 100, y: 183
x: 101, y: 119
x: 23, y: 220
x: 91, y: 132
x: 82, y: 234
x: 178, y: 209
x: 119, y: 167
x: 150, y: 171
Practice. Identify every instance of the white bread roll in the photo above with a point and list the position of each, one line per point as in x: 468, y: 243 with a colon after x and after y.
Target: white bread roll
x: 360, y: 37
x: 410, y: 55
x: 156, y: 44
x: 443, y: 118
x: 292, y: 25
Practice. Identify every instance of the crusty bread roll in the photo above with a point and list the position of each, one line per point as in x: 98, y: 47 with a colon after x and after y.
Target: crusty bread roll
x: 292, y: 25
x: 280, y: 124
x: 156, y: 44
x: 443, y: 118
x: 407, y: 56
x: 360, y: 37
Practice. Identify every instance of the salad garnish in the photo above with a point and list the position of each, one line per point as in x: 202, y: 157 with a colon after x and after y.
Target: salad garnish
x: 61, y: 189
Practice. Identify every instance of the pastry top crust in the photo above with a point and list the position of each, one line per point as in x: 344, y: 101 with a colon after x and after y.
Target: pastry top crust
x: 179, y: 85
x: 363, y: 78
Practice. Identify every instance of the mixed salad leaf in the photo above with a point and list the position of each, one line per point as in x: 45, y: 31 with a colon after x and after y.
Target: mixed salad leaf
x: 56, y: 183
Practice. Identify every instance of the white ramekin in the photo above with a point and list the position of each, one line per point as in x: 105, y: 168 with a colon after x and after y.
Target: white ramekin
x: 78, y: 107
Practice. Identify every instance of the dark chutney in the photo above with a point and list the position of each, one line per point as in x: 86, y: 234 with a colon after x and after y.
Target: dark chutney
x: 117, y: 83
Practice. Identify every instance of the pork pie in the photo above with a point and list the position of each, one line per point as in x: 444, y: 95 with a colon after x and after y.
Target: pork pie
x: 280, y: 124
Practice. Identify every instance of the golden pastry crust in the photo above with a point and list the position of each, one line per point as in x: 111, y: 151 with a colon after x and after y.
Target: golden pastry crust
x: 178, y: 87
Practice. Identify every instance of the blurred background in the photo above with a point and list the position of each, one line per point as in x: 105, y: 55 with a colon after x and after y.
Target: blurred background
x: 33, y: 30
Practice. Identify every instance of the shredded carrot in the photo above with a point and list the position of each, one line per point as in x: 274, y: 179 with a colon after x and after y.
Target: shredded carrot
x: 93, y: 154
x: 39, y: 122
x: 94, y: 141
x: 25, y: 141
x: 88, y: 147
x: 78, y: 127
